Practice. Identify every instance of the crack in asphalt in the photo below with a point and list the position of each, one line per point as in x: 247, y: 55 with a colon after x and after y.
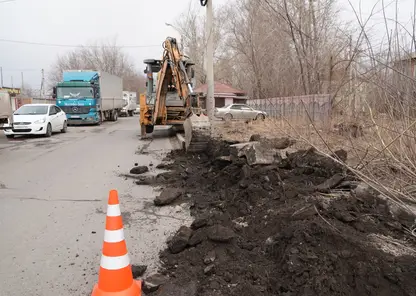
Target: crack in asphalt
x: 52, y: 200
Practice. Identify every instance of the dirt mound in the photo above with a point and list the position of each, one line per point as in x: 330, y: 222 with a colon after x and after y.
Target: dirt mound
x: 270, y: 230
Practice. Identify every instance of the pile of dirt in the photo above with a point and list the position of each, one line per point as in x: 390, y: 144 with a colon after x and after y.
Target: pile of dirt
x: 282, y: 229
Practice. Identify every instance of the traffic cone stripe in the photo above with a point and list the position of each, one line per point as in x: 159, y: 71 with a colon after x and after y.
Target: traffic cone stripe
x: 113, y: 210
x: 115, y: 263
x: 117, y: 281
x: 115, y: 249
x: 113, y: 236
x: 114, y: 223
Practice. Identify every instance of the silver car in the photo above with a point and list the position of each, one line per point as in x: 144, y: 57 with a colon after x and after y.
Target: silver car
x: 239, y: 111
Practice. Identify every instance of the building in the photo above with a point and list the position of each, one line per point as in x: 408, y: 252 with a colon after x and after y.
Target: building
x: 224, y: 94
x: 13, y: 91
x: 406, y: 65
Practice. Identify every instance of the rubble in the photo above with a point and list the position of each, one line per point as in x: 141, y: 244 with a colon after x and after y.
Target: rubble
x: 167, y: 196
x: 138, y: 270
x: 302, y: 225
x: 153, y: 282
x: 138, y: 170
x: 179, y: 242
x: 219, y: 233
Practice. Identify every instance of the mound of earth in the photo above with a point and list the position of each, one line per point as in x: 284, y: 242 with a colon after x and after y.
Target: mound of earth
x: 282, y: 229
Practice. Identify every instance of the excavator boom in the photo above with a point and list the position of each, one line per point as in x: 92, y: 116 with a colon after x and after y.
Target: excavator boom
x: 171, y: 100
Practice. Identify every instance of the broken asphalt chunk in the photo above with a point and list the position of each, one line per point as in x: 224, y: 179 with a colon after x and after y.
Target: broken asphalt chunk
x: 139, y: 170
x: 179, y: 242
x: 167, y: 196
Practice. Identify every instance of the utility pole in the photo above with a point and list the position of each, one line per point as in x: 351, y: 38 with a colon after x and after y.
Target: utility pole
x: 1, y: 76
x: 41, y: 84
x: 22, y: 82
x: 210, y: 101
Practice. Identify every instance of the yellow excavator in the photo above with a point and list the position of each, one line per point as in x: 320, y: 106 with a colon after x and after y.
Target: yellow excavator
x: 170, y: 99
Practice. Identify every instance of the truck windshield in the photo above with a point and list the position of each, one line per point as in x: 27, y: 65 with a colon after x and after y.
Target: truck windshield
x: 32, y: 110
x: 75, y: 92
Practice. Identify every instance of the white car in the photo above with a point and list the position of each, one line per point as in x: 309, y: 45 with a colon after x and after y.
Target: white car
x: 36, y: 119
x: 239, y: 111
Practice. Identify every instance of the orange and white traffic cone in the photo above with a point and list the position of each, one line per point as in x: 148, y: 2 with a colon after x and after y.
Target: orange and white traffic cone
x: 115, y: 277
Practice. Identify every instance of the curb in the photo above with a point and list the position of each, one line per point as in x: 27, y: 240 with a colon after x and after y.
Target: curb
x: 181, y: 140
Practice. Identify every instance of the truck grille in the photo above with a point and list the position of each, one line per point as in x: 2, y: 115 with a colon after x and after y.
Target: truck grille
x: 76, y: 109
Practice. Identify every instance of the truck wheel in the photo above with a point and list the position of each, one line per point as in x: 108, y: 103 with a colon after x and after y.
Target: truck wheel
x: 114, y: 116
x: 130, y: 113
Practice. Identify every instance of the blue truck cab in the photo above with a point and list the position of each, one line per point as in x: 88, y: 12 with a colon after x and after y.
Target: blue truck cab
x: 77, y: 95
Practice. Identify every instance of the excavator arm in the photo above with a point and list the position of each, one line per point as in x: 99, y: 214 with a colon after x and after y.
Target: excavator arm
x: 173, y: 81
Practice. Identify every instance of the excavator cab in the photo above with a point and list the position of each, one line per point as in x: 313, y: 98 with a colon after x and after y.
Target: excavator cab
x: 170, y: 99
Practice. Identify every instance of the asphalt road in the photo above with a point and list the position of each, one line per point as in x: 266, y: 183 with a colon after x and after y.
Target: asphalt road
x: 53, y: 194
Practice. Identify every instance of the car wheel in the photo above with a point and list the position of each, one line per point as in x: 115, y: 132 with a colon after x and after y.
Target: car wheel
x: 115, y: 116
x: 64, y: 128
x: 260, y: 117
x: 228, y: 117
x: 48, y: 130
x: 9, y: 136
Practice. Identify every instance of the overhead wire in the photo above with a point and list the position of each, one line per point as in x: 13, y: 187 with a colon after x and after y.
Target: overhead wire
x: 73, y: 46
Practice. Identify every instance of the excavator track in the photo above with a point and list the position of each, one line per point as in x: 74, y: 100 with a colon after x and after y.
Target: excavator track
x: 197, y: 133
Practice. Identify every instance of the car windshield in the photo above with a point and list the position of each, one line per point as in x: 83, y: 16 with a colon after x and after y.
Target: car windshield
x: 74, y: 92
x: 32, y: 110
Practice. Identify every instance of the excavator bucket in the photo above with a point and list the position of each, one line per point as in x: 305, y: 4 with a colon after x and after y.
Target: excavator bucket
x: 197, y: 132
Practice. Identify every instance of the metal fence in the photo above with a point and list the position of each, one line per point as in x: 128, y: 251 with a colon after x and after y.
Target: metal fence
x: 299, y: 108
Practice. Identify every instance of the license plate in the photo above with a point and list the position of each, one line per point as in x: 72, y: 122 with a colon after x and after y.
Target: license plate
x: 74, y: 116
x: 21, y: 127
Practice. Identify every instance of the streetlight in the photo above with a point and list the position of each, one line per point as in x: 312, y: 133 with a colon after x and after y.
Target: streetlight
x: 179, y: 31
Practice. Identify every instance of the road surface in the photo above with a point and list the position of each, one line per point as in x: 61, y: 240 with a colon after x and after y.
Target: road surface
x: 53, y: 194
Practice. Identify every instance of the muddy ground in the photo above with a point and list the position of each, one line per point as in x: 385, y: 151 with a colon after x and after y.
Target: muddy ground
x: 272, y: 230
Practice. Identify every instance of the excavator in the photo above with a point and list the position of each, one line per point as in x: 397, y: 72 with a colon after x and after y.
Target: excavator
x: 170, y: 99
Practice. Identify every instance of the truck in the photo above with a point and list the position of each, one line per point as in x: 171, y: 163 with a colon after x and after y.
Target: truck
x: 6, y: 109
x: 130, y: 98
x: 89, y: 96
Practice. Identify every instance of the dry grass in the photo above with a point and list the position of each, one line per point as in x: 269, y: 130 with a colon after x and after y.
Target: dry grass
x: 383, y: 157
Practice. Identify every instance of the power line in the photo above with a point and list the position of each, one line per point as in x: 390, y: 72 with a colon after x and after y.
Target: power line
x: 21, y: 70
x: 4, y: 1
x: 73, y: 46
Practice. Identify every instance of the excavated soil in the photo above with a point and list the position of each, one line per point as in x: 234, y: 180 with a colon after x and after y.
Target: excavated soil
x: 281, y: 233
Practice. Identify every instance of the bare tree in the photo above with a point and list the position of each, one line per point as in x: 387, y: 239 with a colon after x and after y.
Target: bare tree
x: 102, y: 56
x: 191, y: 26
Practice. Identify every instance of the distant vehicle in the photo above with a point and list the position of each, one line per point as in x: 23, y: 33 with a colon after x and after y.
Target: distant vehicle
x: 239, y: 111
x: 137, y: 110
x: 5, y: 108
x: 89, y: 97
x: 36, y: 119
x: 130, y: 99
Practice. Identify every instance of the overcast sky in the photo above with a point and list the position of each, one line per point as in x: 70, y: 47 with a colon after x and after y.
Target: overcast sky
x: 134, y: 22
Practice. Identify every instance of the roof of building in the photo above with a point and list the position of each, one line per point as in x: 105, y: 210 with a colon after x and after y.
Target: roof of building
x: 220, y: 88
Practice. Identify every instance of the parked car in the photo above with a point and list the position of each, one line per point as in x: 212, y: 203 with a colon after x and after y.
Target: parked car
x: 137, y: 110
x: 37, y: 119
x: 239, y: 111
